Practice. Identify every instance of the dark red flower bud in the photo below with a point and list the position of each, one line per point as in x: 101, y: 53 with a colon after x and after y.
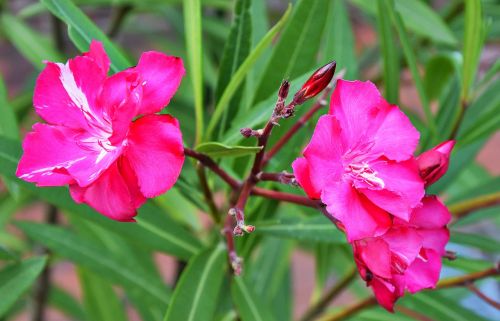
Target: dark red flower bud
x: 316, y: 83
x: 433, y: 163
x: 283, y: 92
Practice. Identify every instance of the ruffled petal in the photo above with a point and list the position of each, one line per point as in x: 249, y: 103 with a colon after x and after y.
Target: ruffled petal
x: 324, y: 152
x: 385, y: 293
x: 56, y: 155
x: 360, y: 217
x: 403, y: 187
x: 155, y: 152
x: 432, y: 214
x: 435, y: 239
x: 376, y: 255
x: 423, y: 274
x: 97, y: 53
x: 115, y: 194
x: 160, y: 75
x: 405, y: 243
x: 303, y: 176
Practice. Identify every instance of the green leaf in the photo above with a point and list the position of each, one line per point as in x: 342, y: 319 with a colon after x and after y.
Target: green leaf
x: 6, y: 255
x: 339, y: 40
x: 154, y: 230
x: 237, y: 47
x: 194, y: 44
x: 389, y: 53
x: 248, y: 303
x: 438, y: 73
x: 297, y: 48
x: 16, y: 279
x: 66, y: 303
x: 473, y: 41
x: 242, y: 71
x: 419, y: 18
x: 216, y: 150
x: 478, y: 241
x: 315, y: 229
x: 412, y: 64
x: 82, y: 31
x: 32, y: 45
x: 100, y: 300
x: 200, y: 283
x: 91, y: 255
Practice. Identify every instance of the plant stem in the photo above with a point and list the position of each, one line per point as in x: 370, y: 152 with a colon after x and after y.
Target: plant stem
x: 283, y: 178
x: 207, y: 193
x: 212, y: 165
x: 119, y: 16
x: 483, y: 296
x: 42, y: 289
x: 328, y: 297
x: 446, y: 283
x: 457, y: 121
x: 462, y: 209
x: 286, y: 197
x: 321, y: 102
x: 412, y: 313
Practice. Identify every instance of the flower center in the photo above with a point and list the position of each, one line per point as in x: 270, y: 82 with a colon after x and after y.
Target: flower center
x: 362, y: 172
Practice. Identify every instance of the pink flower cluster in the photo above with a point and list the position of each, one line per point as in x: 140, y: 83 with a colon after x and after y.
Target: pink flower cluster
x: 360, y: 163
x: 102, y: 136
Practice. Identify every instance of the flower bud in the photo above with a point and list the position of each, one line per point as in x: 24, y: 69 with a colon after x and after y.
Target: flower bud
x: 316, y: 83
x: 433, y: 163
x: 283, y: 92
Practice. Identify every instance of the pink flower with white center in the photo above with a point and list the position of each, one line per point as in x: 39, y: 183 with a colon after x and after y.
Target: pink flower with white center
x: 407, y: 256
x: 359, y: 161
x: 91, y: 141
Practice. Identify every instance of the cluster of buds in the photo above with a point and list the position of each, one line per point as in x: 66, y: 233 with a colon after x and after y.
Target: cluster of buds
x: 240, y: 228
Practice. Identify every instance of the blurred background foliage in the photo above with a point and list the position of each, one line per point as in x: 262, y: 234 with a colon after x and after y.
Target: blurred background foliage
x: 438, y: 60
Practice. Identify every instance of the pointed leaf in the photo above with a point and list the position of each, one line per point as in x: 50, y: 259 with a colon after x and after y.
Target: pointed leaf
x: 248, y: 303
x: 214, y: 149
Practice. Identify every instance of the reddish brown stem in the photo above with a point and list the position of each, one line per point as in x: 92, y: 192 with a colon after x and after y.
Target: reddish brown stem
x: 283, y: 177
x: 210, y: 164
x: 296, y: 127
x: 286, y: 197
x: 412, y: 313
x: 483, y: 296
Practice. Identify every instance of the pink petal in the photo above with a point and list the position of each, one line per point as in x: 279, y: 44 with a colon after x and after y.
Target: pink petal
x: 435, y: 239
x: 97, y: 53
x: 303, y: 176
x: 405, y: 243
x: 376, y: 255
x: 56, y: 155
x: 66, y: 94
x: 385, y: 293
x: 155, y: 152
x: 160, y: 76
x: 359, y: 216
x: 423, y: 274
x: 403, y: 187
x: 324, y: 152
x: 432, y: 214
x: 115, y: 194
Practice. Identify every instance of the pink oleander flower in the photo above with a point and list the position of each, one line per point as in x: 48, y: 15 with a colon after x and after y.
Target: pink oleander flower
x: 433, y: 163
x: 102, y: 136
x: 359, y: 161
x: 407, y: 256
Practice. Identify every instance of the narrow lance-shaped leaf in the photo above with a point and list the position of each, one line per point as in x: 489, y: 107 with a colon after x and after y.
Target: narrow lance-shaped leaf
x: 389, y: 54
x: 82, y: 31
x: 15, y: 279
x: 248, y: 303
x: 242, y: 71
x: 192, y: 32
x: 297, y: 48
x: 215, y: 149
x: 200, y: 283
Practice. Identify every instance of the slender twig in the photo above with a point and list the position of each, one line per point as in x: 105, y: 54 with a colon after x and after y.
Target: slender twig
x: 328, y: 297
x: 42, y: 288
x: 286, y: 197
x: 320, y: 103
x: 462, y: 209
x: 446, y: 283
x: 207, y: 193
x: 483, y: 296
x: 119, y: 16
x: 283, y: 177
x: 212, y: 165
x: 412, y: 313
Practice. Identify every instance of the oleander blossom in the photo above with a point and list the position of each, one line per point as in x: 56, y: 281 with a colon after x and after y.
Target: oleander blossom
x: 102, y: 136
x: 407, y: 256
x: 359, y: 161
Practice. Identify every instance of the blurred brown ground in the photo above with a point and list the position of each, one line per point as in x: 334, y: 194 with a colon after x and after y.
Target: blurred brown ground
x: 15, y: 70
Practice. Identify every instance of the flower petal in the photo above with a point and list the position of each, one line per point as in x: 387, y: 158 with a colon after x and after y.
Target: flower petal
x: 56, y: 155
x: 403, y: 187
x: 115, y: 194
x: 303, y: 176
x: 360, y: 217
x: 65, y: 94
x: 376, y: 255
x: 385, y: 293
x: 432, y: 214
x: 155, y: 152
x: 324, y: 151
x: 423, y: 274
x: 97, y: 53
x: 405, y: 243
x: 160, y: 75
